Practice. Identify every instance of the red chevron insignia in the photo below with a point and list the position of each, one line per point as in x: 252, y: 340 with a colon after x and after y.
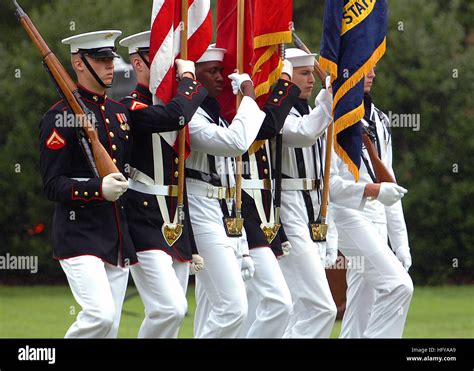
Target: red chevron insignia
x: 55, y: 141
x: 138, y: 105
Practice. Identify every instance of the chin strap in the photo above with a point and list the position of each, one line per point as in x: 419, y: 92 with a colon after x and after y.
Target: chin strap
x: 91, y: 70
x: 142, y: 56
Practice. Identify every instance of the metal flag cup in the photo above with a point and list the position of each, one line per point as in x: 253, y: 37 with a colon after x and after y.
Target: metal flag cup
x: 233, y: 226
x: 270, y: 230
x: 171, y: 232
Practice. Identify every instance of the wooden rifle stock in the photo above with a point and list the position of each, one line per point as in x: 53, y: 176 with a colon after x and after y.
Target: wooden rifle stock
x: 381, y: 172
x: 317, y: 69
x: 70, y: 93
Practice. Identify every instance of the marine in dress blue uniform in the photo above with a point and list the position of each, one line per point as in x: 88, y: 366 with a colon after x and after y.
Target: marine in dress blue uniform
x: 162, y: 275
x: 90, y: 233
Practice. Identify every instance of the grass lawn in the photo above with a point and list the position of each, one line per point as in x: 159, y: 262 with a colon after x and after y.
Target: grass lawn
x: 47, y: 312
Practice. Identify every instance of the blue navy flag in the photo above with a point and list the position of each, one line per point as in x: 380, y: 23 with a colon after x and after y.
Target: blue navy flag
x: 354, y: 40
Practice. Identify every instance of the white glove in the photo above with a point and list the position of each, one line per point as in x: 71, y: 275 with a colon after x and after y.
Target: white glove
x: 237, y: 79
x: 322, y: 251
x: 328, y: 82
x: 331, y: 243
x: 327, y: 254
x: 286, y: 247
x: 247, y: 268
x: 287, y: 68
x: 331, y: 255
x: 114, y: 185
x: 184, y: 66
x: 324, y: 100
x: 197, y: 264
x: 390, y: 193
x: 403, y: 254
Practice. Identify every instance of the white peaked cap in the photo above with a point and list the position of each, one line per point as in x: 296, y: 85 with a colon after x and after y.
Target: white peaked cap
x: 92, y: 40
x: 137, y: 41
x: 212, y: 54
x: 299, y: 58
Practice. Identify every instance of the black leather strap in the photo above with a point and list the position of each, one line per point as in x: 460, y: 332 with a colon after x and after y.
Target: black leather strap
x: 302, y: 174
x: 92, y: 71
x: 142, y: 55
x: 208, y: 178
x: 369, y: 169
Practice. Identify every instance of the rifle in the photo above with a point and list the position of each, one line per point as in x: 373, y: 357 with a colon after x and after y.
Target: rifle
x: 381, y: 172
x: 101, y: 163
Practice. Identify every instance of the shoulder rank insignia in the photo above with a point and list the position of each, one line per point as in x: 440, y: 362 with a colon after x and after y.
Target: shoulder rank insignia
x: 55, y: 141
x: 138, y: 105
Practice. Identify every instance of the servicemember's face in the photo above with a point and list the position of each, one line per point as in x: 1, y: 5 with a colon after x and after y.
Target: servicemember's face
x: 209, y: 74
x: 369, y: 80
x: 304, y: 79
x: 103, y: 67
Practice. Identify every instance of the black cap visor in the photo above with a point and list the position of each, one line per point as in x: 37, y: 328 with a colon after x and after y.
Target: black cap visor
x: 99, y: 53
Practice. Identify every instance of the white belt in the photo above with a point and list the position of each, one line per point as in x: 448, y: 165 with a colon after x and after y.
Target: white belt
x: 266, y: 184
x: 206, y: 190
x: 153, y: 189
x: 142, y: 183
x: 81, y: 179
x: 303, y: 184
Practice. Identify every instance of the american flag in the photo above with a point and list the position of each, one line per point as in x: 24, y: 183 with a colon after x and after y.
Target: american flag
x: 165, y: 41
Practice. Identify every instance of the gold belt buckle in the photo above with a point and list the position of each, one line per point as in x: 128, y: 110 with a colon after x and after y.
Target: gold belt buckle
x: 307, y: 184
x: 221, y: 193
x: 267, y: 184
x: 173, y: 191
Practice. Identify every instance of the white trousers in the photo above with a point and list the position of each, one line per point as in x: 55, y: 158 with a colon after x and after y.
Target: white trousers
x: 314, y: 310
x: 162, y: 294
x: 269, y: 299
x: 99, y: 288
x: 380, y: 290
x: 182, y: 273
x: 221, y: 301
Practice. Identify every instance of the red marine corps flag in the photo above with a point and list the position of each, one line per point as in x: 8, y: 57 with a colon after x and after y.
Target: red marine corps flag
x: 165, y: 48
x: 267, y: 25
x: 272, y: 27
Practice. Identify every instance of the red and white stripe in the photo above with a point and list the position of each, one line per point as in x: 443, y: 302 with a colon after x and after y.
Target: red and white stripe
x: 164, y: 47
x: 165, y: 41
x: 199, y: 28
